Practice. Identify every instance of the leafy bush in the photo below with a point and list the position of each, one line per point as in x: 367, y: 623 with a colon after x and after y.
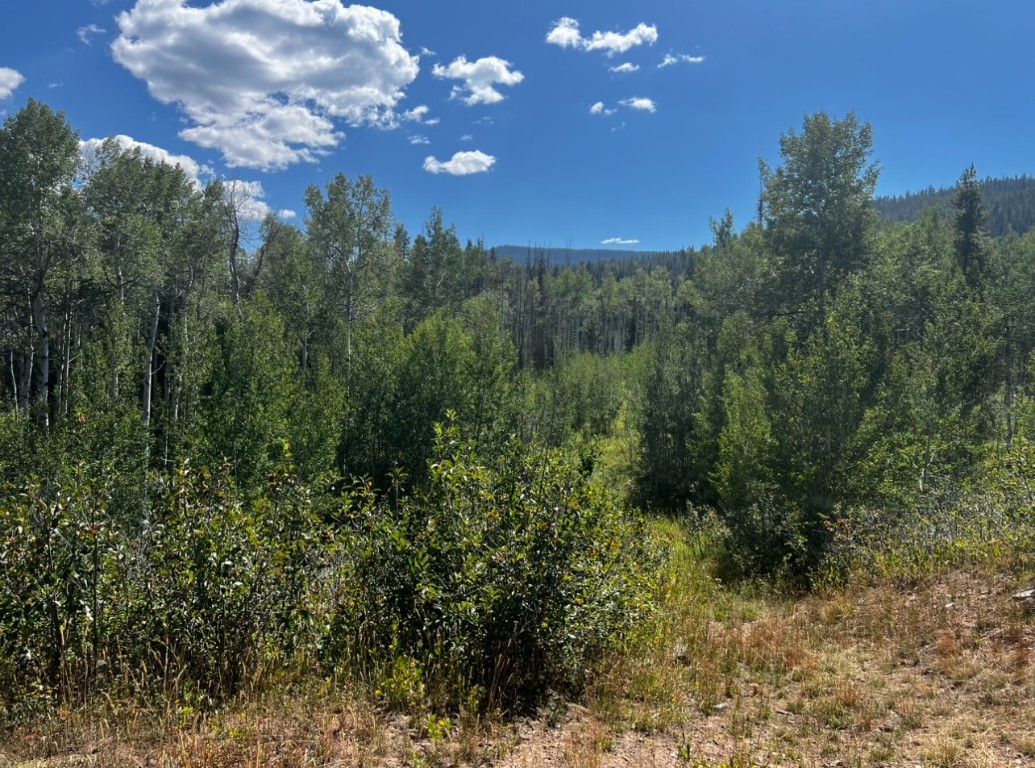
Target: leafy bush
x: 986, y: 523
x: 208, y: 588
x: 507, y: 579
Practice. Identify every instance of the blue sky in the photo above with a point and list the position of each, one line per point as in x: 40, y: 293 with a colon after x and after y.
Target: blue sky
x: 547, y: 122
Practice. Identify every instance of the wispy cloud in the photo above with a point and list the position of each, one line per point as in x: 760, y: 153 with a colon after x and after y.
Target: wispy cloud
x: 641, y: 103
x: 479, y: 78
x: 419, y: 139
x: 679, y: 58
x: 601, y: 109
x: 264, y: 81
x: 461, y: 164
x: 619, y: 241
x: 10, y: 79
x: 626, y: 67
x: 85, y: 34
x: 419, y: 115
x: 565, y: 33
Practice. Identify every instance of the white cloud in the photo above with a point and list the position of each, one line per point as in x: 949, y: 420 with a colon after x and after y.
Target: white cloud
x: 418, y: 139
x: 467, y: 137
x: 619, y: 241
x: 641, y: 103
x: 626, y: 67
x: 191, y: 167
x: 418, y: 115
x: 617, y: 42
x: 461, y: 164
x: 9, y: 80
x: 600, y: 109
x: 286, y: 213
x: 565, y: 33
x: 262, y: 81
x: 479, y: 77
x: 679, y: 58
x: 85, y: 33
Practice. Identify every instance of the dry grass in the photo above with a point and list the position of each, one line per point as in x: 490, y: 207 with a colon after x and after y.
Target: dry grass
x: 938, y: 674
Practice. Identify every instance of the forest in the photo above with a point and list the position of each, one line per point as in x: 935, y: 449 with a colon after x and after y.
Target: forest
x: 233, y: 452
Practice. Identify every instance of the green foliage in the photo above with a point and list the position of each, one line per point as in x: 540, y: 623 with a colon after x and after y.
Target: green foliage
x: 510, y: 578
x: 205, y: 591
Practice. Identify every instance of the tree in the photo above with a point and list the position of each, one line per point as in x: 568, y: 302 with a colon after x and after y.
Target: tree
x: 39, y: 156
x: 817, y: 206
x: 351, y: 231
x: 971, y: 240
x: 432, y: 274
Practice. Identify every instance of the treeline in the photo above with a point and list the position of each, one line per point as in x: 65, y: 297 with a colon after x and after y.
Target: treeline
x: 1010, y: 204
x: 335, y: 436
x: 133, y: 308
x: 813, y: 360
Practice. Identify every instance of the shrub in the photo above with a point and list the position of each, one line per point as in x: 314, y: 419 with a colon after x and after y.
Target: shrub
x: 208, y: 588
x: 508, y: 579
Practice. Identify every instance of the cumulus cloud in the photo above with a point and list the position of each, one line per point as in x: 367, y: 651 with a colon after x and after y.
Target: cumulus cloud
x: 640, y: 102
x: 600, y: 109
x: 286, y: 213
x: 565, y: 33
x: 479, y: 78
x: 626, y: 67
x: 9, y: 80
x: 418, y: 139
x: 679, y: 58
x: 191, y: 167
x: 619, y: 241
x: 263, y: 81
x: 461, y: 164
x: 617, y: 42
x: 85, y: 34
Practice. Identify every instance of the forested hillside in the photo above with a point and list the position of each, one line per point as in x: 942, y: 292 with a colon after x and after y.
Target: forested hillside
x: 1010, y: 204
x: 348, y: 446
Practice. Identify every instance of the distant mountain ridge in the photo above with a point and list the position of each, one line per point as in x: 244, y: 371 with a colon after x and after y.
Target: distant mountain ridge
x: 563, y: 256
x: 1010, y: 203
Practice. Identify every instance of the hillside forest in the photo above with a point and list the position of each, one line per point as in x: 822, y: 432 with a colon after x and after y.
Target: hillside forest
x: 344, y: 449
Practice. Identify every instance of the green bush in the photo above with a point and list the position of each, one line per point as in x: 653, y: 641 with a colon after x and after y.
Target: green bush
x: 204, y: 592
x: 507, y: 580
